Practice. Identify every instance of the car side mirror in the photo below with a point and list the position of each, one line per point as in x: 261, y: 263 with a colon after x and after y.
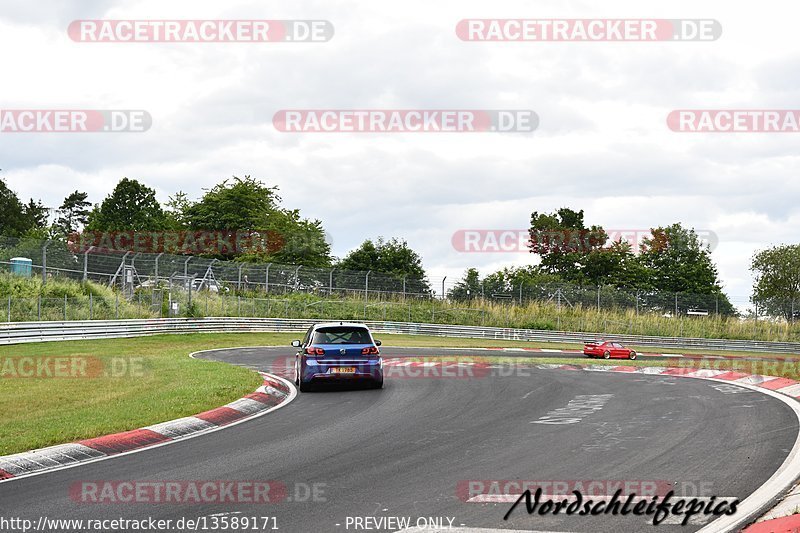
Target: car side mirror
x: 296, y: 344
x: 377, y: 342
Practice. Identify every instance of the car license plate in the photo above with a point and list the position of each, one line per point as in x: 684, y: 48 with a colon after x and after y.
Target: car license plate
x: 343, y: 370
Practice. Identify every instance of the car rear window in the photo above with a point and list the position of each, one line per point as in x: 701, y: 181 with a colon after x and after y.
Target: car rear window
x: 341, y: 335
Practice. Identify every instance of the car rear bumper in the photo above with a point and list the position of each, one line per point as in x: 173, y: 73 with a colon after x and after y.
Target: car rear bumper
x: 326, y: 371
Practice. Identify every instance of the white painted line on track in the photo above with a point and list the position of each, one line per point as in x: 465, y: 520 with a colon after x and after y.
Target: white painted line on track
x: 782, y: 480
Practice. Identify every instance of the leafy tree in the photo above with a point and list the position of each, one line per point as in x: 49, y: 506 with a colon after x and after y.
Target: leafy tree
x: 244, y: 205
x: 131, y: 206
x: 508, y: 281
x: 73, y: 213
x: 467, y: 287
x: 247, y: 205
x: 176, y: 212
x: 615, y: 265
x: 777, y: 283
x: 676, y: 261
x: 16, y: 218
x: 565, y: 245
x: 392, y: 257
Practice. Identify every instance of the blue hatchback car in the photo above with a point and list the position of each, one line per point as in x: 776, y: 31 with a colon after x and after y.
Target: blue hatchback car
x: 338, y: 352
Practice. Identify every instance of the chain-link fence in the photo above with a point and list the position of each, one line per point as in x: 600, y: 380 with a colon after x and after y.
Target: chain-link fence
x: 164, y: 285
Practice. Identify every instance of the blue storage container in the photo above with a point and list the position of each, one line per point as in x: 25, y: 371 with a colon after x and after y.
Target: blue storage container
x: 21, y: 266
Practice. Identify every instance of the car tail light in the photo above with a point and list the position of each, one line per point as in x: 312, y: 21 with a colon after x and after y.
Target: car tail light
x: 315, y: 351
x: 370, y: 351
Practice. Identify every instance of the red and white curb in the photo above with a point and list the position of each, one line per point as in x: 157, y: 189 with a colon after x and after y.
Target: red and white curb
x: 273, y: 394
x: 648, y: 354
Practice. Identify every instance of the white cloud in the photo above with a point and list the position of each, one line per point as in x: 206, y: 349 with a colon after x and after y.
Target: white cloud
x: 602, y: 145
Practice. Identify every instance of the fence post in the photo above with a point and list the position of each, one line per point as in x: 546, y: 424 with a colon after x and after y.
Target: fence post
x: 297, y: 278
x: 637, y: 302
x: 9, y: 308
x: 156, y: 271
x: 186, y: 268
x: 330, y: 282
x: 39, y: 308
x: 239, y: 280
x: 443, y: 295
x: 598, y: 298
x: 676, y: 305
x: 116, y: 306
x: 404, y: 288
x: 366, y: 292
x: 755, y: 322
x: 266, y: 280
x: 521, y: 284
x: 238, y: 306
x: 65, y: 308
x: 86, y: 263
x: 44, y: 261
x: 91, y: 306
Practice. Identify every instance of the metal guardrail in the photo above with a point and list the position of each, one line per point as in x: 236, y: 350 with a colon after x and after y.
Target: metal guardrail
x: 25, y: 332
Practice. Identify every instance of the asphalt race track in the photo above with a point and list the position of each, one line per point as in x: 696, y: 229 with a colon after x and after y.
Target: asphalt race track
x: 404, y: 451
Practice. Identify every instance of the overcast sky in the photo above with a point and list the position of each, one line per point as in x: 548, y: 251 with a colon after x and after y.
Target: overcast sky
x: 602, y: 144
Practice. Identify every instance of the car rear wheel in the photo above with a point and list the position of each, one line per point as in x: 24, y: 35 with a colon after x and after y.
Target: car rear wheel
x: 632, y: 355
x: 606, y: 355
x: 305, y: 387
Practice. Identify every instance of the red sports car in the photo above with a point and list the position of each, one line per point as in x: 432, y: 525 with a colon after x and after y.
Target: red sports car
x: 607, y: 350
